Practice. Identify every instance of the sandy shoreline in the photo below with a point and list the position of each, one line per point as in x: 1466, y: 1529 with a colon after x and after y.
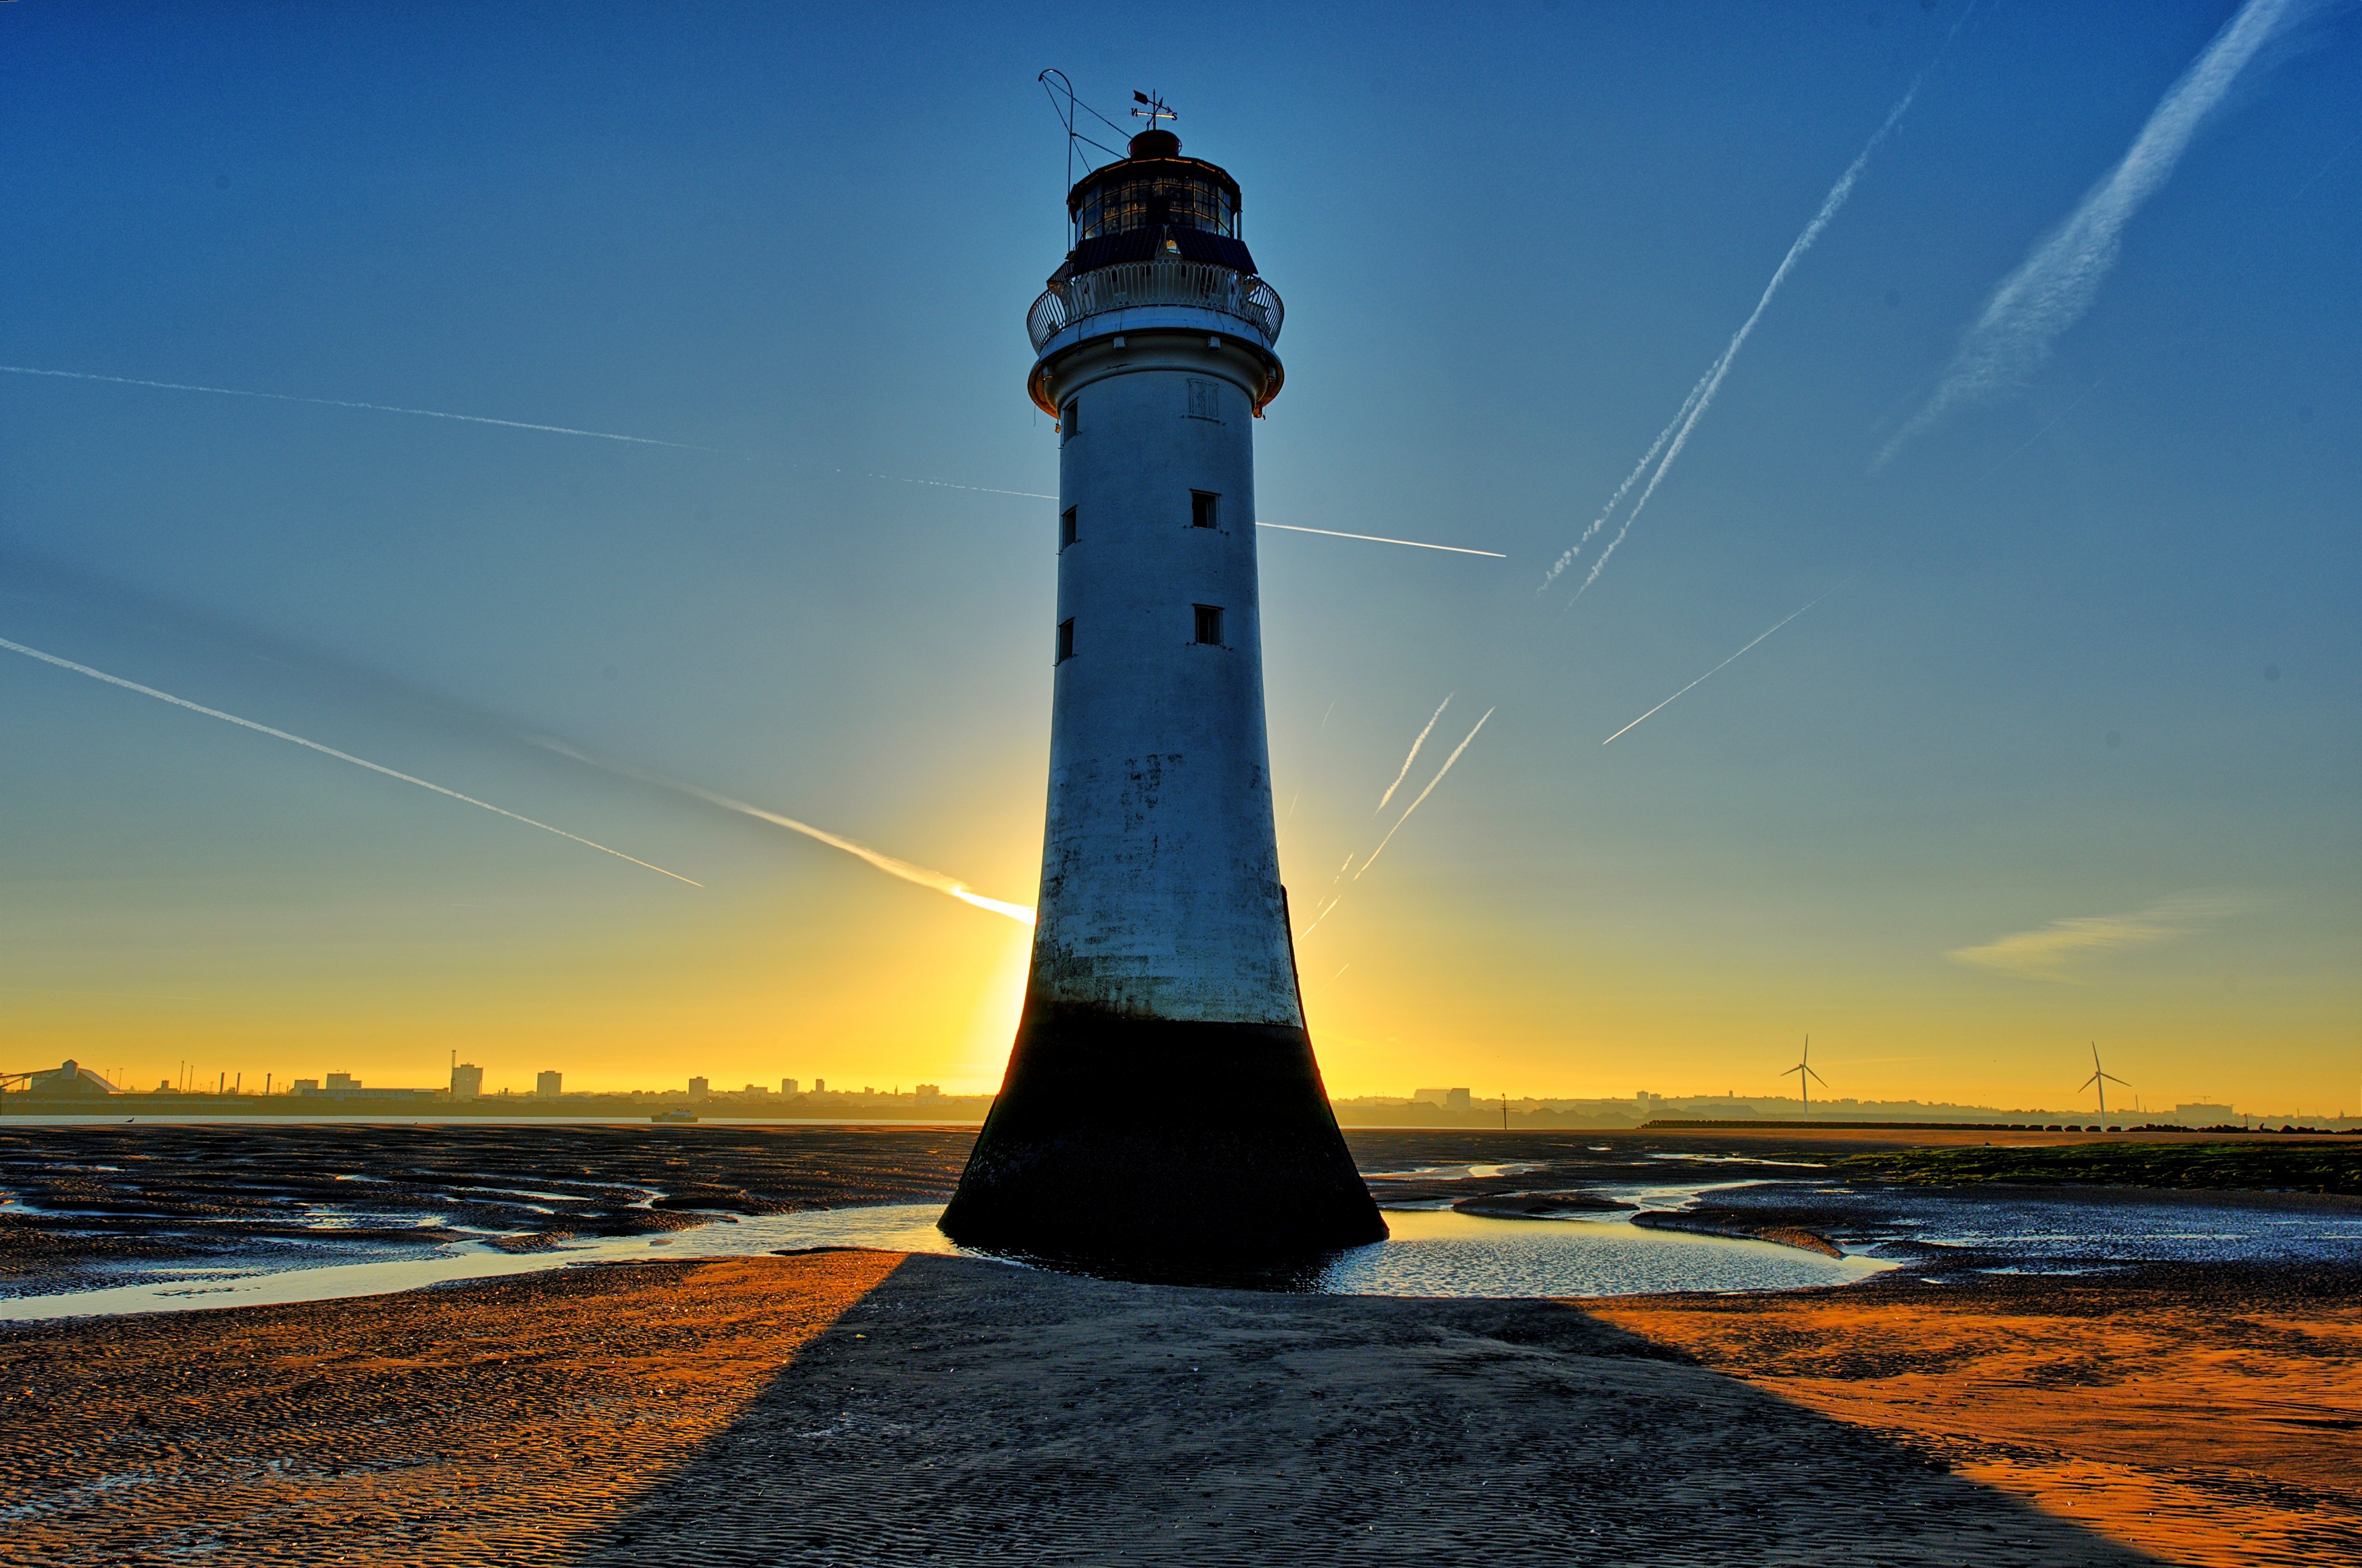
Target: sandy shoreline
x: 874, y: 1408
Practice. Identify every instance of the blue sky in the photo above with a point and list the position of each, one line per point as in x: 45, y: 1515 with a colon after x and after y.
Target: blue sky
x: 1510, y: 239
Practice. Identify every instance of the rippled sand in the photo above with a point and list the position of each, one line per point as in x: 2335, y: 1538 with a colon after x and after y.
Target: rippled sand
x: 2207, y: 1414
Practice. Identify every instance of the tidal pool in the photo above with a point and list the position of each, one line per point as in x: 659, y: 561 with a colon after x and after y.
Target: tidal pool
x: 1431, y: 1253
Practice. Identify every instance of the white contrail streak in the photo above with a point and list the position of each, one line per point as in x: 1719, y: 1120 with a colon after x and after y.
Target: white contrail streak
x: 326, y: 751
x: 1378, y: 539
x: 643, y: 441
x: 2048, y: 427
x: 1673, y: 438
x: 1412, y: 758
x: 946, y: 484
x: 1423, y: 794
x: 478, y: 419
x: 1701, y: 396
x: 372, y: 407
x: 1616, y: 500
x: 2056, y: 284
x: 1021, y: 913
x: 1718, y: 668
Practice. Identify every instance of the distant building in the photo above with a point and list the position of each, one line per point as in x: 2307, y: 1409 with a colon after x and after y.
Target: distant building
x: 698, y: 1089
x: 1442, y: 1098
x: 548, y: 1085
x: 820, y: 1085
x: 787, y: 1086
x: 755, y: 1088
x: 70, y: 1081
x: 928, y: 1093
x: 2204, y: 1115
x: 1455, y: 1100
x: 467, y: 1081
x: 344, y: 1086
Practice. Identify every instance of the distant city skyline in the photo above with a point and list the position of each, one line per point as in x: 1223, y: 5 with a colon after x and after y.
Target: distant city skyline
x: 429, y: 438
x: 326, y: 1094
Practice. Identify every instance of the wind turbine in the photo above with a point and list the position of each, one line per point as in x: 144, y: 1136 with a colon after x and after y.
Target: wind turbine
x: 2100, y: 1081
x: 1805, y: 1082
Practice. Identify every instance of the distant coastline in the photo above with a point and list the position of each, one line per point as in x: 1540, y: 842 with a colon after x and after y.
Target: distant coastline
x: 1369, y: 1113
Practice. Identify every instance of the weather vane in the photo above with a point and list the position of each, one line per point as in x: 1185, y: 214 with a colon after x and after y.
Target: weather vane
x: 1152, y: 109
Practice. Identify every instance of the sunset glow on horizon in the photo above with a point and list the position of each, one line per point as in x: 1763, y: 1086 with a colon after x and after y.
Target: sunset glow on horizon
x: 655, y: 468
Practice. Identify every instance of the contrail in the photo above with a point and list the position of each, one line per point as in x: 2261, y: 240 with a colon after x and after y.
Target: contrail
x: 1021, y: 913
x: 2056, y: 284
x: 946, y: 484
x: 1319, y: 915
x: 1423, y: 794
x: 372, y: 407
x: 1701, y: 396
x: 479, y: 419
x: 326, y: 751
x: 1702, y: 679
x: 1616, y: 500
x: 1322, y: 913
x: 1377, y: 539
x: 643, y: 441
x: 2048, y: 427
x: 1412, y: 758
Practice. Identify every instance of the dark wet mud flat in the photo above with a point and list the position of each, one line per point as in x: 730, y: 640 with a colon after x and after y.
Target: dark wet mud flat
x: 1818, y: 1192
x: 124, y: 1204
x: 188, y: 1213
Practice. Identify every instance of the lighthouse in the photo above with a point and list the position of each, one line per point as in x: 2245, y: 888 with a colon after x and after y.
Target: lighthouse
x: 1162, y: 1096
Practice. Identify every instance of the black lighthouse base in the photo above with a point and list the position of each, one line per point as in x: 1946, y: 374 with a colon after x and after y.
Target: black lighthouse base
x: 1121, y: 1136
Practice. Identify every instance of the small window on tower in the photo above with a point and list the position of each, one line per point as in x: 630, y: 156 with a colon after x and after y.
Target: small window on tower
x: 1205, y: 510
x: 1065, y: 527
x: 1203, y: 402
x: 1066, y: 639
x: 1210, y: 623
x: 1067, y: 420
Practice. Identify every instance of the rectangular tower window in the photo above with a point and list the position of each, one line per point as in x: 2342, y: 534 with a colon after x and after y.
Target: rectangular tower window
x: 1065, y: 527
x: 1066, y: 639
x: 1068, y: 418
x: 1210, y: 623
x: 1205, y: 510
x: 1204, y: 401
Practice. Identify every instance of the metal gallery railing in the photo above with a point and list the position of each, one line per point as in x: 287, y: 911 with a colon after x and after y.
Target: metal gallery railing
x: 1131, y: 284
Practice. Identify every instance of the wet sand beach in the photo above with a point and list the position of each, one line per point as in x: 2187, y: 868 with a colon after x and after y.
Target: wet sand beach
x: 2169, y: 1380
x: 2205, y: 1414
x: 870, y: 1408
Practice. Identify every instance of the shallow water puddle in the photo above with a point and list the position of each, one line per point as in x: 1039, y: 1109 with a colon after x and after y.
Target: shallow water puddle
x: 1450, y: 1254
x: 1431, y: 1253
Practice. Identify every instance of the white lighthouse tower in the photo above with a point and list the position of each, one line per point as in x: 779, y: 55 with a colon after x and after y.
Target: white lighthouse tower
x: 1162, y: 1094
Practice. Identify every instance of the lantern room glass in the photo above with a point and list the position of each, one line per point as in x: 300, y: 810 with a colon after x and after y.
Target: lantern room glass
x: 1120, y: 205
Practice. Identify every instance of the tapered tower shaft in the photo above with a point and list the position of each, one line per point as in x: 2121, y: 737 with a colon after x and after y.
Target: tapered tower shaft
x: 1162, y: 1094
